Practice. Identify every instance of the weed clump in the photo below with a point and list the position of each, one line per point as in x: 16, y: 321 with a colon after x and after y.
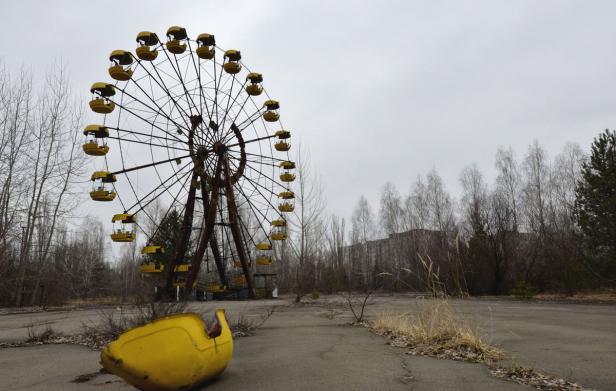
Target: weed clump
x: 523, y: 291
x: 436, y: 330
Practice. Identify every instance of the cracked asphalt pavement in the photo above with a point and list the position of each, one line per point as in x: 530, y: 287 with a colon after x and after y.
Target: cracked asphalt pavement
x: 299, y: 348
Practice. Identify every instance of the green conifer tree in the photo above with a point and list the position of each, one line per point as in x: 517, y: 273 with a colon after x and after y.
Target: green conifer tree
x: 596, y: 204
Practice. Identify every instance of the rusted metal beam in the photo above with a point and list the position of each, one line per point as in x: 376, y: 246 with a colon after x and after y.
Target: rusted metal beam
x: 235, y: 228
x: 208, y: 228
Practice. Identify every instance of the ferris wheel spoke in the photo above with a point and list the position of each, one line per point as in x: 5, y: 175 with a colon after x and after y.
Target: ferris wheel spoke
x: 230, y: 132
x: 159, y: 186
x: 244, y: 202
x: 252, y: 141
x: 229, y: 93
x: 164, y: 87
x: 147, y: 143
x: 189, y: 96
x: 167, y: 91
x: 256, y: 186
x: 178, y: 73
x: 261, y: 175
x: 265, y: 157
x: 215, y: 107
x: 257, y: 162
x: 123, y: 171
x: 144, y: 134
x: 263, y: 162
x: 243, y: 125
x: 254, y: 210
x: 159, y: 110
x: 171, y: 206
x: 153, y: 124
x: 198, y: 74
x: 245, y: 229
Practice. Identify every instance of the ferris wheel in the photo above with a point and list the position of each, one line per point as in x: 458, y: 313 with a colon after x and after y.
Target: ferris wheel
x: 186, y: 125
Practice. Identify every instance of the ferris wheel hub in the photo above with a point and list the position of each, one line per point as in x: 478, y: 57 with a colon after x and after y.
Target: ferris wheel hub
x: 219, y: 148
x: 202, y: 153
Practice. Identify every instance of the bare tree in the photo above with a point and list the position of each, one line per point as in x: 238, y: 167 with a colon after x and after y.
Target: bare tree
x: 336, y: 242
x: 54, y: 161
x: 564, y: 178
x: 307, y: 221
x: 474, y: 200
x: 535, y: 195
x: 440, y: 204
x: 362, y: 231
x: 508, y: 180
x: 390, y: 211
x: 362, y: 222
x: 416, y: 207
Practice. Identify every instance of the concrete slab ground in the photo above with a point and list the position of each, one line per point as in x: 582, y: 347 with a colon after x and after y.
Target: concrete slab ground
x: 299, y: 349
x: 574, y: 341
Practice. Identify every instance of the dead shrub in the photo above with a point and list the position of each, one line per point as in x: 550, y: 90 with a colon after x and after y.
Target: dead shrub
x: 436, y: 330
x: 40, y: 336
x: 111, y: 323
x: 536, y: 379
x: 245, y: 325
x: 356, y: 303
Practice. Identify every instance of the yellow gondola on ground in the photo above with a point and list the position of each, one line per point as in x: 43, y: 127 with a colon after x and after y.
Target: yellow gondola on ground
x: 171, y: 353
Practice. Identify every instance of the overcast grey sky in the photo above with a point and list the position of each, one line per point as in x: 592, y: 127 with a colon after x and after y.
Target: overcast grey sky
x: 377, y: 90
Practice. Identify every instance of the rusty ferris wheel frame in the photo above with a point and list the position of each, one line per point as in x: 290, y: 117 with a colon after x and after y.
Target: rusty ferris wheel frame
x: 213, y: 145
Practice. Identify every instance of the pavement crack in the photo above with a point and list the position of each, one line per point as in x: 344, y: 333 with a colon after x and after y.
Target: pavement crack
x: 331, y: 347
x: 407, y: 377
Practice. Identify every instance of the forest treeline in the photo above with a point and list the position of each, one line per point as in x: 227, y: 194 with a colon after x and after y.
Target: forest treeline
x: 48, y: 253
x: 544, y: 224
x: 536, y: 225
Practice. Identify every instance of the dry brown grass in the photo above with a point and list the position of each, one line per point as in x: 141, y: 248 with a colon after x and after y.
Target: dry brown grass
x: 434, y: 329
x: 111, y: 300
x: 599, y: 296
